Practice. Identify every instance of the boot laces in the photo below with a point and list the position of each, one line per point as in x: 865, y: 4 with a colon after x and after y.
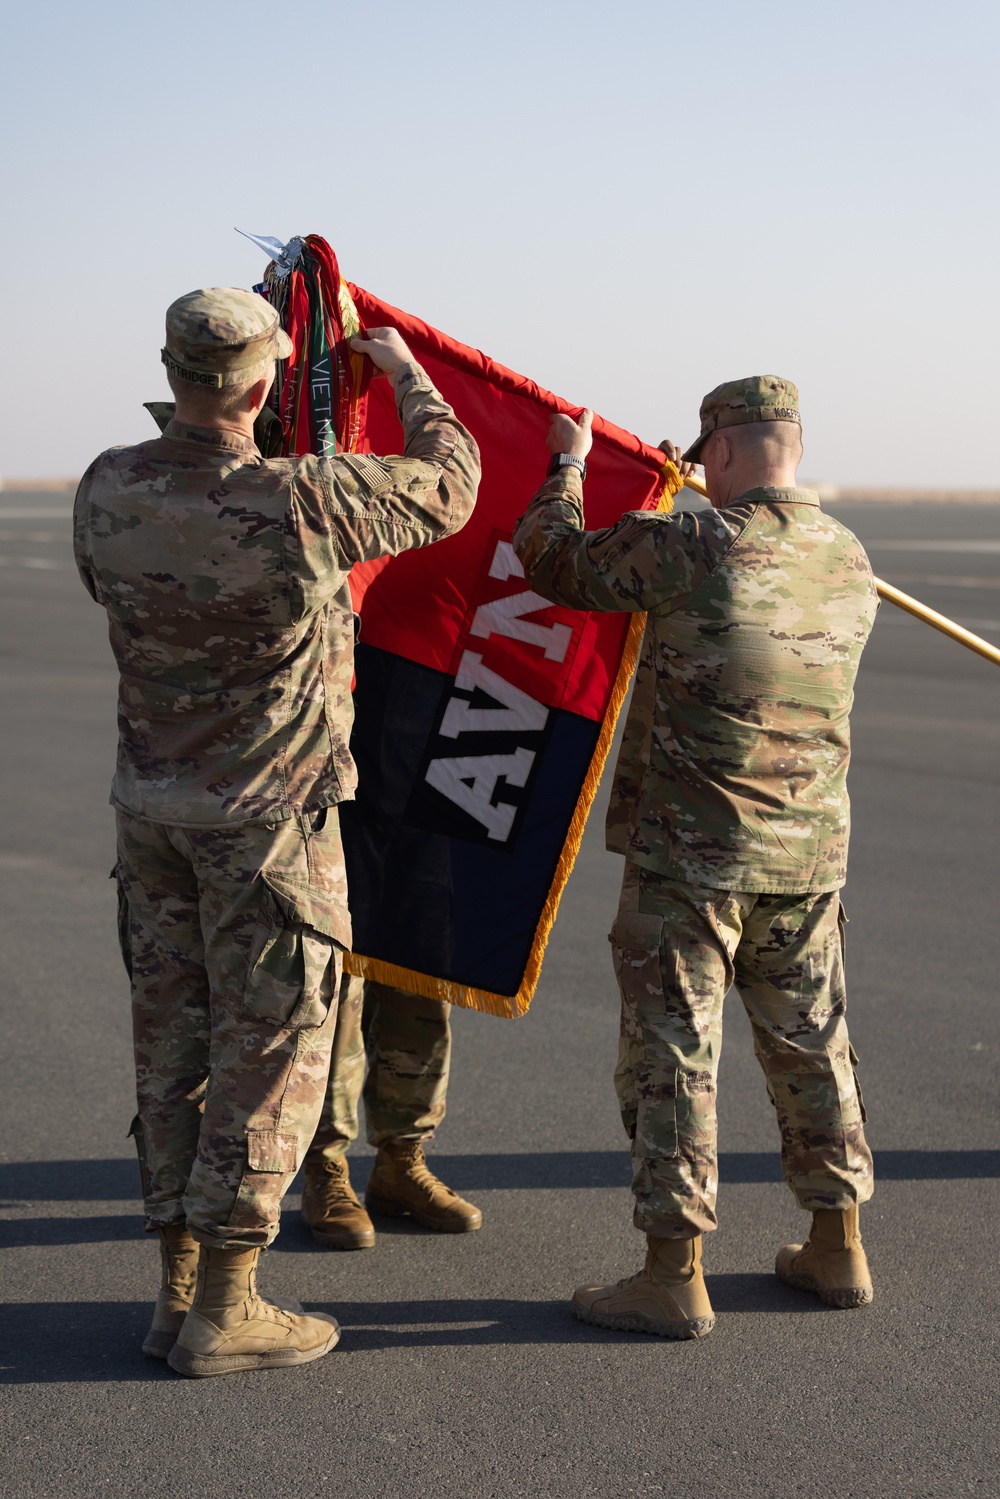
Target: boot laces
x: 259, y: 1309
x: 335, y: 1185
x: 417, y: 1169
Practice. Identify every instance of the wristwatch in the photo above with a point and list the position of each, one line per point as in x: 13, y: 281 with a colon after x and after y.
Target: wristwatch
x: 566, y: 460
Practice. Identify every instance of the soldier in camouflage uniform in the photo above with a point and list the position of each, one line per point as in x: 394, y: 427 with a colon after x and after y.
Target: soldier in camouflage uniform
x: 730, y: 806
x: 406, y: 1041
x: 225, y: 580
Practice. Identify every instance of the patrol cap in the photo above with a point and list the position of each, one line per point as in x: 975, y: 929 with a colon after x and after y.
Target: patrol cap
x: 758, y: 398
x: 221, y: 335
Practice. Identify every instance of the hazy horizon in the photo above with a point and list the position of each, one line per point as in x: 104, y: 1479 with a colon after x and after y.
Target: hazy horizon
x: 629, y: 205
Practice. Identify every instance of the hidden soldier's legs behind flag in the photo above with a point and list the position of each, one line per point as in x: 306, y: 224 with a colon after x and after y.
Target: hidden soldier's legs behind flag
x: 330, y: 1206
x: 405, y: 1039
x: 408, y: 1039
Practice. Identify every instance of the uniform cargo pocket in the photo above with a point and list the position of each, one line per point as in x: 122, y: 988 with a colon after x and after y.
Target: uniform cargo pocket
x: 271, y: 1152
x: 294, y: 966
x: 647, y: 1076
x: 857, y: 1085
x: 124, y: 922
x: 136, y: 1133
x: 635, y: 948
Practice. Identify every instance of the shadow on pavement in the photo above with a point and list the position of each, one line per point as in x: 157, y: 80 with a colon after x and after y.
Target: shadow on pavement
x: 408, y: 1324
x: 117, y: 1180
x: 22, y: 1233
x: 81, y: 1341
x: 70, y: 1342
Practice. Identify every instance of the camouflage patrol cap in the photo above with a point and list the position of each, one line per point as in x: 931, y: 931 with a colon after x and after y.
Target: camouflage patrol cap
x: 221, y: 335
x: 758, y: 398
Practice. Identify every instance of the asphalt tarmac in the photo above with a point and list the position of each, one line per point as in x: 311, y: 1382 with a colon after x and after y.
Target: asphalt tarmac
x: 461, y: 1370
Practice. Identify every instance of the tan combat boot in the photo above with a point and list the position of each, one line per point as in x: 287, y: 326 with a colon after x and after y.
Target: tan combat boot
x: 668, y: 1296
x: 230, y: 1327
x: 179, y: 1266
x: 832, y: 1264
x: 330, y: 1207
x: 401, y: 1183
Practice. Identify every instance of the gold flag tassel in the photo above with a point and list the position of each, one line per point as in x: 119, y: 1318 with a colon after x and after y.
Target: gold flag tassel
x: 912, y: 606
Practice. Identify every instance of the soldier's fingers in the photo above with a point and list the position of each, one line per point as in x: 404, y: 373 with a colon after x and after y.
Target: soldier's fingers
x: 586, y: 418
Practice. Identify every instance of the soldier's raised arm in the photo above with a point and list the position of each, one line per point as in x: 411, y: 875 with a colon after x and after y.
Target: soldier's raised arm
x: 378, y: 506
x: 641, y: 562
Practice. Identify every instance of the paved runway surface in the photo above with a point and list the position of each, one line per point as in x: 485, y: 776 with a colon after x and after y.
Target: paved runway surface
x: 461, y: 1371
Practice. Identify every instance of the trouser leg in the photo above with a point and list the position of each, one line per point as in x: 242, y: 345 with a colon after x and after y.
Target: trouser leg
x: 790, y: 973
x: 672, y: 945
x: 409, y: 1056
x: 273, y: 913
x: 160, y: 933
x: 338, y: 1120
x: 271, y: 923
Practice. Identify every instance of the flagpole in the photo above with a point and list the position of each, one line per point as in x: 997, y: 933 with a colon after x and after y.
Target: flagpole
x: 911, y: 605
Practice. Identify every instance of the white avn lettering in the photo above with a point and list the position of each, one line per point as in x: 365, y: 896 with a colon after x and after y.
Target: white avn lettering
x: 519, y: 711
x: 505, y: 564
x: 470, y: 781
x: 503, y: 617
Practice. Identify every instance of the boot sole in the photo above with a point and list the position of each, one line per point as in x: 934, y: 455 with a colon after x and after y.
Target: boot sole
x: 205, y: 1365
x: 343, y: 1241
x: 841, y: 1298
x: 698, y: 1327
x: 391, y: 1210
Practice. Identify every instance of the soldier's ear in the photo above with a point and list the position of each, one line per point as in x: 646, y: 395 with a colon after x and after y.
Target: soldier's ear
x: 258, y: 393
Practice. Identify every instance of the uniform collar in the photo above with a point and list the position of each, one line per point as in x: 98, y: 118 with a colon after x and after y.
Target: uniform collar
x: 211, y: 437
x: 771, y: 494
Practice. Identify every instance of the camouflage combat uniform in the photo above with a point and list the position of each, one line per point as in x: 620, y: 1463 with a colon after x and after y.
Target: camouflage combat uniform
x: 225, y: 580
x: 730, y: 805
x: 404, y: 1040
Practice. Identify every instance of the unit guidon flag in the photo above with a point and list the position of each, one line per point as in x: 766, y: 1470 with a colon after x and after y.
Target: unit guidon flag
x: 484, y: 714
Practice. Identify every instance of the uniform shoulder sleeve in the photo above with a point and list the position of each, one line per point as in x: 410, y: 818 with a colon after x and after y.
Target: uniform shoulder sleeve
x: 644, y: 561
x: 81, y: 528
x: 378, y: 506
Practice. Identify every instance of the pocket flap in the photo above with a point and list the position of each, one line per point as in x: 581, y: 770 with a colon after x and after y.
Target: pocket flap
x: 634, y: 931
x: 269, y: 1150
x: 304, y: 905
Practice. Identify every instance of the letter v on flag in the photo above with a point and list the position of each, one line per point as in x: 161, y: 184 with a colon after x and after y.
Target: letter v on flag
x: 483, y: 713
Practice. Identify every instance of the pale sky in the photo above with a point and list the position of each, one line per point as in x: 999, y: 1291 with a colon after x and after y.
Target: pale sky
x: 628, y: 202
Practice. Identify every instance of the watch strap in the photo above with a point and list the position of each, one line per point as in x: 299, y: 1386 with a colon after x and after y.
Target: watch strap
x: 566, y: 460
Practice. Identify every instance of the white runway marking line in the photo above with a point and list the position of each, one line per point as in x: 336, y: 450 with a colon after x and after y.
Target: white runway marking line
x: 44, y: 536
x: 942, y: 580
x: 901, y: 617
x: 977, y: 728
x: 933, y: 546
x: 36, y: 512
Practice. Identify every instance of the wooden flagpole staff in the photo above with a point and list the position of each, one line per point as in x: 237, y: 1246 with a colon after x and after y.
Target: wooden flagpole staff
x: 912, y: 606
